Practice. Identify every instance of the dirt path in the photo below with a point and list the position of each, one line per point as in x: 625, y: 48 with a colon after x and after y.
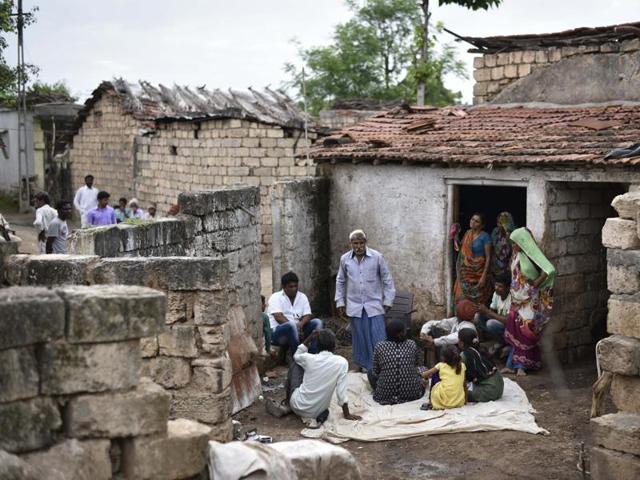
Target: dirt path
x: 562, y: 410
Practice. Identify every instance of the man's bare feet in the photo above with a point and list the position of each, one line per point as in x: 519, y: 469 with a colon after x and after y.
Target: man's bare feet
x: 508, y: 371
x: 521, y: 373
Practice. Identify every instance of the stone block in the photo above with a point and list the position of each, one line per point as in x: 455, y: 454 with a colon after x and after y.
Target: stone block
x: 625, y: 392
x: 528, y: 56
x: 214, y: 340
x: 217, y: 200
x: 212, y: 374
x: 181, y: 453
x: 108, y: 313
x: 482, y: 74
x: 630, y: 45
x: 50, y: 270
x: 101, y: 241
x: 149, y: 346
x: 142, y: 411
x: 541, y: 56
x: 13, y: 467
x: 623, y: 271
x: 197, y: 404
x: 178, y: 341
x: 511, y: 71
x: 166, y: 273
x: 170, y: 372
x: 73, y: 459
x: 620, y: 233
x: 624, y: 315
x: 617, y: 431
x: 18, y: 374
x: 490, y: 60
x: 227, y: 220
x: 210, y: 308
x: 30, y: 315
x: 609, y: 464
x: 67, y: 368
x: 627, y: 205
x: 28, y: 424
x: 497, y: 73
x: 222, y: 432
x: 620, y: 354
x: 179, y: 307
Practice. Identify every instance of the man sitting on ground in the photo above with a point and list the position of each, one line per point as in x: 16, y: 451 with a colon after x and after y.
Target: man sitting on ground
x: 103, y: 214
x: 492, y: 320
x: 290, y: 315
x: 312, y: 380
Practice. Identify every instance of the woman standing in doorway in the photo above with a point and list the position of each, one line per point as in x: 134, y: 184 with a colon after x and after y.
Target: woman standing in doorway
x: 472, y: 267
x: 501, y: 255
x: 531, y: 301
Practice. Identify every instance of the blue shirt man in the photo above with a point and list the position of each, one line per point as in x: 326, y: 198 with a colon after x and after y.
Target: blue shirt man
x: 364, y: 284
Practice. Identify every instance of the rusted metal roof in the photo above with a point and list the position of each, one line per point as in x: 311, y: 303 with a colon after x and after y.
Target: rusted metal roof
x: 488, y: 136
x: 150, y: 103
x: 575, y: 37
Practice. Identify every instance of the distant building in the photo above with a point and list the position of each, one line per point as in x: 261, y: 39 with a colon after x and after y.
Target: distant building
x: 153, y: 143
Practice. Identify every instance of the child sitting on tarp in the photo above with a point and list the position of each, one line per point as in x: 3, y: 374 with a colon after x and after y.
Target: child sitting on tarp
x: 486, y: 381
x: 448, y: 389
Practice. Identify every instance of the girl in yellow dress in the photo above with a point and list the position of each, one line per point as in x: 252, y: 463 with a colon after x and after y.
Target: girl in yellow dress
x: 448, y: 389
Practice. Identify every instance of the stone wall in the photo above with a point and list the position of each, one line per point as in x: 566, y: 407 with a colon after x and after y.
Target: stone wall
x: 576, y: 215
x: 203, y: 355
x: 301, y: 238
x: 72, y: 402
x: 339, y: 119
x: 157, y: 164
x: 496, y: 71
x: 216, y: 223
x: 616, y: 436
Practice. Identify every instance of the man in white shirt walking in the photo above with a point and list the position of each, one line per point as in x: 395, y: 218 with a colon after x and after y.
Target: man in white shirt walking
x: 290, y: 315
x: 86, y: 199
x: 45, y: 214
x: 58, y: 231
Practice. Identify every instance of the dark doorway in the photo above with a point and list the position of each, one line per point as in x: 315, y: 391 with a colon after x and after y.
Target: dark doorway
x: 490, y: 201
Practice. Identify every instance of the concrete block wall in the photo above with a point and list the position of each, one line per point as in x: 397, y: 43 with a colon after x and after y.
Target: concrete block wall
x: 201, y: 354
x: 155, y: 162
x: 339, y: 119
x: 576, y: 215
x: 301, y: 237
x: 616, y: 436
x: 73, y: 403
x: 493, y: 72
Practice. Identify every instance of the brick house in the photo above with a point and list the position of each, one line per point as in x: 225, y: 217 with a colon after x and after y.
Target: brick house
x: 153, y: 143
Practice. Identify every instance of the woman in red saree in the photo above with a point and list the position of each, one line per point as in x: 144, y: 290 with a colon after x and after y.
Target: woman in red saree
x: 472, y: 267
x: 532, y: 277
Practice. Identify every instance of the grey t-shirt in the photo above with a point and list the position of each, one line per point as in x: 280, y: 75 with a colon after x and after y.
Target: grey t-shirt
x: 59, y: 230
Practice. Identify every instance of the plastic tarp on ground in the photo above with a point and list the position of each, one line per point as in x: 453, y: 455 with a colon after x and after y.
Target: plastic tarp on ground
x: 391, y: 422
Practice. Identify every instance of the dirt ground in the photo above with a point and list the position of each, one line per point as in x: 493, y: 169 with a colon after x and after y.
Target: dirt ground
x: 563, y: 410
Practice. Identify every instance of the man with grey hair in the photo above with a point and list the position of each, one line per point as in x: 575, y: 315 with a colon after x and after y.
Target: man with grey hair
x: 364, y: 284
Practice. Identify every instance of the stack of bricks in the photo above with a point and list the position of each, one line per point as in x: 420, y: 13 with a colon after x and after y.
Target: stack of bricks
x: 173, y: 157
x: 494, y: 71
x: 576, y: 215
x: 202, y: 355
x: 72, y: 402
x: 616, y: 436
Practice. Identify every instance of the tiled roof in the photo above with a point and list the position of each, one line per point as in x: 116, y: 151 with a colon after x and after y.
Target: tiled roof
x: 488, y: 136
x: 575, y: 37
x: 151, y: 103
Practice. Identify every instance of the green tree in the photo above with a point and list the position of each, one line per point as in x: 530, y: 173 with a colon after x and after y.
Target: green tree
x: 424, y: 72
x: 376, y: 55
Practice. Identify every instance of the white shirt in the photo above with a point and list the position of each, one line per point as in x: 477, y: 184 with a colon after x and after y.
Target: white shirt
x: 86, y: 198
x: 499, y: 305
x: 449, y: 324
x: 280, y: 303
x: 44, y: 216
x: 324, y: 372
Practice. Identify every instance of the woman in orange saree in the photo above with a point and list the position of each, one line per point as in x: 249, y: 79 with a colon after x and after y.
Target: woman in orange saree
x: 472, y: 267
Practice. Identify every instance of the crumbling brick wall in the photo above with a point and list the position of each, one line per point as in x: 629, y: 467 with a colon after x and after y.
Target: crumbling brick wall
x: 576, y: 214
x: 495, y: 71
x: 616, y: 436
x: 72, y: 403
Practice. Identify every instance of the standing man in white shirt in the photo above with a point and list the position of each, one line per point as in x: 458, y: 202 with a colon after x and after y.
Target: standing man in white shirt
x: 58, y: 231
x: 290, y: 315
x: 45, y: 214
x: 86, y: 199
x: 365, y: 285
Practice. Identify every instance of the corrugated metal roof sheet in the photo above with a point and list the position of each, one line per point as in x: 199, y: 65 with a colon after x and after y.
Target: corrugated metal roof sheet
x: 488, y: 136
x: 152, y: 103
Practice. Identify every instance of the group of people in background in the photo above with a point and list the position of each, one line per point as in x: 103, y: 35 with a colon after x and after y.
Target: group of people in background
x: 502, y: 295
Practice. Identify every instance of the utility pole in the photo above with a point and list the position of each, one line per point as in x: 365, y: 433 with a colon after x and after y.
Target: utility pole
x: 24, y: 193
x: 424, y: 54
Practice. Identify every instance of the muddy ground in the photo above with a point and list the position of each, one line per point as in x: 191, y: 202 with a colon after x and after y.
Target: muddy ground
x: 563, y: 410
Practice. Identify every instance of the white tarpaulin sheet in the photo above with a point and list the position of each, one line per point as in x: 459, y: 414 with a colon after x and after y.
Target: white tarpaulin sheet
x: 390, y: 422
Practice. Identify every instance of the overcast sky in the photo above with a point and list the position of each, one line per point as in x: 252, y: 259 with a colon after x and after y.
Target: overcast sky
x: 244, y: 43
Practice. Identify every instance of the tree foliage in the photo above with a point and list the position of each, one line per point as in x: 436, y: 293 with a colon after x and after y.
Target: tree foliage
x: 376, y: 55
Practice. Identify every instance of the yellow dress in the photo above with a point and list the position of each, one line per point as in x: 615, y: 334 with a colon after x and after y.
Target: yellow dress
x: 449, y: 391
